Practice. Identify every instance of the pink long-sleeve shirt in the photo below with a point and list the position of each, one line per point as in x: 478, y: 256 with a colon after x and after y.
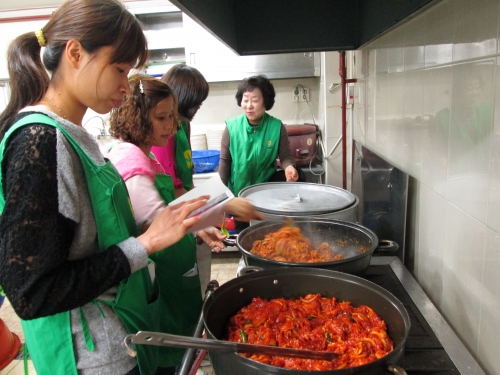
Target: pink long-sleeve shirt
x: 138, y: 170
x: 166, y: 157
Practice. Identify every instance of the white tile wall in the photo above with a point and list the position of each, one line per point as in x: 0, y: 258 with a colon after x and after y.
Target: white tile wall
x: 438, y: 45
x: 493, y: 220
x: 435, y: 129
x: 432, y: 94
x: 429, y: 259
x: 464, y: 248
x: 475, y: 28
x: 488, y: 327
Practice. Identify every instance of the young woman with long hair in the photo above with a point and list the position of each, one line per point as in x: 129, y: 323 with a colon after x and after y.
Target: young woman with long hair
x: 73, y: 261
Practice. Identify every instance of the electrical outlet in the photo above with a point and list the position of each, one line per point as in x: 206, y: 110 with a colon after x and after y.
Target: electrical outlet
x: 300, y: 94
x: 304, y: 94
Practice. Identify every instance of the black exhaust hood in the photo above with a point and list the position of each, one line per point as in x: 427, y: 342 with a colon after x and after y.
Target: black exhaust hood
x: 283, y: 26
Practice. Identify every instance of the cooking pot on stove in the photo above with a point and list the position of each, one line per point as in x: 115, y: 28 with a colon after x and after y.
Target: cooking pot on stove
x: 355, y: 242
x: 277, y: 200
x: 289, y: 283
x: 293, y: 283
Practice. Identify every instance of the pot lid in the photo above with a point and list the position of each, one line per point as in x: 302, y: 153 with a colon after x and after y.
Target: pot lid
x: 297, y: 198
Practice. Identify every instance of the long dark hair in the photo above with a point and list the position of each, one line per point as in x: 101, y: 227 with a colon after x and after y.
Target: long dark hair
x: 130, y: 122
x: 94, y: 23
x: 190, y: 87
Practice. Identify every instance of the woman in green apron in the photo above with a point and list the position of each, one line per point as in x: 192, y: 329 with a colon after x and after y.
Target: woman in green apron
x: 191, y: 89
x: 73, y: 261
x: 148, y: 117
x: 253, y: 141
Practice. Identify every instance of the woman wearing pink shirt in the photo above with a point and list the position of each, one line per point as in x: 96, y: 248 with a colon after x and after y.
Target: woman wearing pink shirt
x: 191, y: 89
x: 148, y: 117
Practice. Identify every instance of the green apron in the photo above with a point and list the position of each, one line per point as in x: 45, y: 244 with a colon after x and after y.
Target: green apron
x: 253, y: 149
x: 183, y: 156
x: 49, y: 339
x: 180, y: 294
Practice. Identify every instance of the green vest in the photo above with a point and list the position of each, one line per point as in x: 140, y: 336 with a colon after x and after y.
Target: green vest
x: 253, y: 149
x: 183, y: 156
x: 180, y: 294
x: 49, y: 339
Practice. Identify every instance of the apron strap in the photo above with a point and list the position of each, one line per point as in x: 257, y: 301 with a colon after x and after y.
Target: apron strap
x: 96, y: 303
x: 25, y: 359
x: 86, y: 331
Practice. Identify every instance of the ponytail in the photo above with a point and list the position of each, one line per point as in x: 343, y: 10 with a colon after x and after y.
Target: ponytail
x: 94, y: 23
x: 28, y: 78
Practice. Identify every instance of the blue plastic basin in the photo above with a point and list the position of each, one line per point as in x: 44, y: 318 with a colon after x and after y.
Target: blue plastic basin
x: 205, y: 160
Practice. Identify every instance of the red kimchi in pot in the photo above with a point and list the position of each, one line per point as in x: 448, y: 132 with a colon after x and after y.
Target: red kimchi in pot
x: 312, y: 322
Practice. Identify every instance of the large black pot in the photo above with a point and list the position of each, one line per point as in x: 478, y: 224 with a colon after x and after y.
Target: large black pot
x: 356, y: 242
x: 294, y: 283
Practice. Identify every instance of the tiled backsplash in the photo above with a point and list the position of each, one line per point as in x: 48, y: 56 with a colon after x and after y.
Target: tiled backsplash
x: 430, y: 105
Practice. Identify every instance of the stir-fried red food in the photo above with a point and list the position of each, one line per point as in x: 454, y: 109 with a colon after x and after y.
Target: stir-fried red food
x: 289, y: 245
x: 313, y: 322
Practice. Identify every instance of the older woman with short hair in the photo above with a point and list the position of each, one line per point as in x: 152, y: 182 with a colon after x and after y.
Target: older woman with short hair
x: 253, y: 141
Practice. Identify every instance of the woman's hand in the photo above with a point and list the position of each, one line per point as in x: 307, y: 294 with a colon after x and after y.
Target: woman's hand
x: 242, y: 210
x: 213, y: 238
x: 171, y: 225
x: 291, y: 174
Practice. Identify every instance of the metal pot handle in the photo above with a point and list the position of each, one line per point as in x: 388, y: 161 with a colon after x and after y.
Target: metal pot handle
x: 387, y: 247
x: 395, y: 369
x: 248, y: 269
x: 230, y: 240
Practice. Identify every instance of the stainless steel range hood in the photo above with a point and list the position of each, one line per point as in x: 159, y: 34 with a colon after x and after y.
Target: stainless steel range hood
x: 288, y: 65
x: 285, y: 26
x: 218, y: 63
x: 174, y: 37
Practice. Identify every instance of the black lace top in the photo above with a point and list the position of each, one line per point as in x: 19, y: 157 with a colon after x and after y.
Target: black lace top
x: 37, y: 271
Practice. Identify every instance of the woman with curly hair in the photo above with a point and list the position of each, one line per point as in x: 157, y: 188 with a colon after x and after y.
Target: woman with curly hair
x: 148, y: 117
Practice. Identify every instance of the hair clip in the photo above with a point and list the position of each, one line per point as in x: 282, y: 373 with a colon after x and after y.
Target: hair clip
x: 141, y: 87
x: 41, y: 38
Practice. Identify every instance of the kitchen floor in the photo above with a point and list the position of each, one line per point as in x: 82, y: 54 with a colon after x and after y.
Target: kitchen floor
x: 223, y: 268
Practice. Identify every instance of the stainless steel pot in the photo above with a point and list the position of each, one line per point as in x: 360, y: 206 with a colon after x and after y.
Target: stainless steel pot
x: 355, y: 242
x: 293, y: 283
x: 276, y: 200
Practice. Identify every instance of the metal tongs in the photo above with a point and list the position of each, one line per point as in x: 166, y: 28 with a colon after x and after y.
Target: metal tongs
x: 166, y: 339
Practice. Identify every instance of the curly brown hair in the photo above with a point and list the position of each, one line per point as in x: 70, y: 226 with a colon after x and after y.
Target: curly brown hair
x: 130, y: 122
